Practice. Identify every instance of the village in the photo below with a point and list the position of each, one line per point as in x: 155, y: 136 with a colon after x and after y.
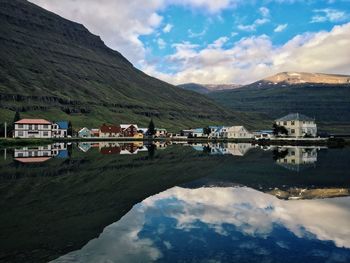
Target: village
x: 293, y: 126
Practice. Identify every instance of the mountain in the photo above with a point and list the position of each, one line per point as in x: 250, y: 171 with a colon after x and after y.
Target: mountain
x: 53, y: 68
x: 195, y: 87
x: 323, y: 96
x: 207, y: 88
x: 293, y: 78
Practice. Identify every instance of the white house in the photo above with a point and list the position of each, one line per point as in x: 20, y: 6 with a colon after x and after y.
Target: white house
x: 84, y: 133
x: 235, y: 132
x: 298, y: 125
x: 159, y: 132
x: 33, y: 128
x: 60, y: 129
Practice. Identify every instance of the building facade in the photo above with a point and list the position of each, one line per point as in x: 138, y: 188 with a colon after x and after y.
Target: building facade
x: 298, y: 125
x: 60, y: 129
x: 84, y: 133
x: 235, y: 132
x: 33, y: 128
x: 109, y: 131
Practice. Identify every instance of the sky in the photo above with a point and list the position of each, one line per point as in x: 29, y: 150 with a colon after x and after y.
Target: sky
x: 219, y: 41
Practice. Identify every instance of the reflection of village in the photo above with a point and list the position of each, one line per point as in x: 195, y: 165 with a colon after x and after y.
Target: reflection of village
x: 293, y: 158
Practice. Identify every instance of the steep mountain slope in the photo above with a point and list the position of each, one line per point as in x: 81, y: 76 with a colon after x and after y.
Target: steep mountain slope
x: 207, y: 88
x: 53, y: 68
x: 195, y: 87
x: 315, y: 95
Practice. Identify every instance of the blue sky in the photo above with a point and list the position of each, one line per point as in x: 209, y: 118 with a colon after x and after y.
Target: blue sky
x: 222, y: 41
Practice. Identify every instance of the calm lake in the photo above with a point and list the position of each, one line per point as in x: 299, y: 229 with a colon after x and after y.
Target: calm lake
x: 156, y: 202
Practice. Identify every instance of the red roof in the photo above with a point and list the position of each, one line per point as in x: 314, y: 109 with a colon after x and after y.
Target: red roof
x: 33, y: 121
x: 110, y: 129
x: 110, y: 150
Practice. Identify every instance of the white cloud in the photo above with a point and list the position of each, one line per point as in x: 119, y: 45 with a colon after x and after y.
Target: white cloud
x: 328, y: 14
x: 280, y: 28
x: 168, y: 28
x: 252, y: 27
x: 161, y: 43
x: 253, y: 58
x: 265, y: 12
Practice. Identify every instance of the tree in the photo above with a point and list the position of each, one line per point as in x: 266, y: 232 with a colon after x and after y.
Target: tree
x: 277, y: 130
x: 70, y: 129
x: 151, y: 129
x: 17, y: 117
x: 206, y: 130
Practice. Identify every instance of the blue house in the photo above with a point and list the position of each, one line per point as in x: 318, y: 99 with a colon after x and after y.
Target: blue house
x: 60, y: 129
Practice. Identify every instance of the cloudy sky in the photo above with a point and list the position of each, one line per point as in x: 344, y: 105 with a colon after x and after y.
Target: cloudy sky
x: 221, y: 41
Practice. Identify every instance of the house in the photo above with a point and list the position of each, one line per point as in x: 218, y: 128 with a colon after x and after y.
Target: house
x: 109, y: 131
x: 185, y: 133
x: 60, y: 129
x: 84, y: 133
x: 33, y: 128
x: 129, y: 130
x: 298, y: 125
x: 198, y: 132
x: 159, y: 132
x: 263, y: 134
x: 235, y: 132
x: 214, y: 131
x: 95, y: 132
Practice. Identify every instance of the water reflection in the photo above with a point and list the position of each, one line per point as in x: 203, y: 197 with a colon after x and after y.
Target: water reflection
x: 39, y: 154
x: 224, y: 225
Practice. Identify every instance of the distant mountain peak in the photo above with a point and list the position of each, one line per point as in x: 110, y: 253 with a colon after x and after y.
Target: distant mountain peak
x: 303, y: 77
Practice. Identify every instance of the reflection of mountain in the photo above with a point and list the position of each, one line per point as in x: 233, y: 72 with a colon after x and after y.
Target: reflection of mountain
x: 228, y: 224
x: 53, y: 208
x: 39, y: 154
x: 296, y: 158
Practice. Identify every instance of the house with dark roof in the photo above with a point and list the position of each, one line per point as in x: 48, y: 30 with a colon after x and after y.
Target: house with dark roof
x: 107, y: 130
x: 298, y: 125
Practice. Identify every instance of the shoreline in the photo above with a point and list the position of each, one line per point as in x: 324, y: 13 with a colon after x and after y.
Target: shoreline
x: 330, y: 142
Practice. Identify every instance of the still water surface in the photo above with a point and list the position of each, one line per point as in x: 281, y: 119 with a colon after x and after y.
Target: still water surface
x: 114, y: 202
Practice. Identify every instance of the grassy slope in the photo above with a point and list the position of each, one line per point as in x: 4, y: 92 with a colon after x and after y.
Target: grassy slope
x: 53, y: 68
x: 330, y: 105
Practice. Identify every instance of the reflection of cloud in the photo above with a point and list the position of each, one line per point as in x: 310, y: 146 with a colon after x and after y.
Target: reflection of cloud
x: 117, y: 243
x: 255, y: 213
x: 252, y: 213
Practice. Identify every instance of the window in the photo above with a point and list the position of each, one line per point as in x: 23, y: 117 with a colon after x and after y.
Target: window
x: 293, y: 152
x: 20, y: 133
x: 292, y: 122
x: 45, y: 133
x: 284, y: 123
x: 292, y: 131
x: 20, y: 126
x: 46, y: 126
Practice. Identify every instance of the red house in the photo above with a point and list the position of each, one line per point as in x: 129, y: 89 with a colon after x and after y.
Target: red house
x: 129, y: 131
x: 109, y: 131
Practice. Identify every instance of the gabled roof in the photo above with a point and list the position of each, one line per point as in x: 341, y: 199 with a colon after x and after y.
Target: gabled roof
x: 84, y: 130
x: 110, y: 129
x: 62, y: 124
x: 33, y: 121
x: 295, y: 117
x: 198, y: 130
x: 236, y: 128
x: 125, y: 126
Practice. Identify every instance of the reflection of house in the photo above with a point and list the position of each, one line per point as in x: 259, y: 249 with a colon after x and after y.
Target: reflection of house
x: 60, y: 129
x: 84, y: 146
x: 84, y: 133
x: 298, y: 125
x: 235, y: 132
x: 295, y: 158
x: 33, y: 128
x: 95, y: 132
x: 237, y: 149
x: 109, y: 131
x: 40, y: 153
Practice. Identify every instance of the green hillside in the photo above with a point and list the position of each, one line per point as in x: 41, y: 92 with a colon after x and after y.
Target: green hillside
x: 53, y: 68
x: 329, y: 104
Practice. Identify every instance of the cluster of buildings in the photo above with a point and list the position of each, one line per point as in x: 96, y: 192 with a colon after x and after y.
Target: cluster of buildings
x: 40, y: 128
x: 294, y: 126
x: 122, y: 130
